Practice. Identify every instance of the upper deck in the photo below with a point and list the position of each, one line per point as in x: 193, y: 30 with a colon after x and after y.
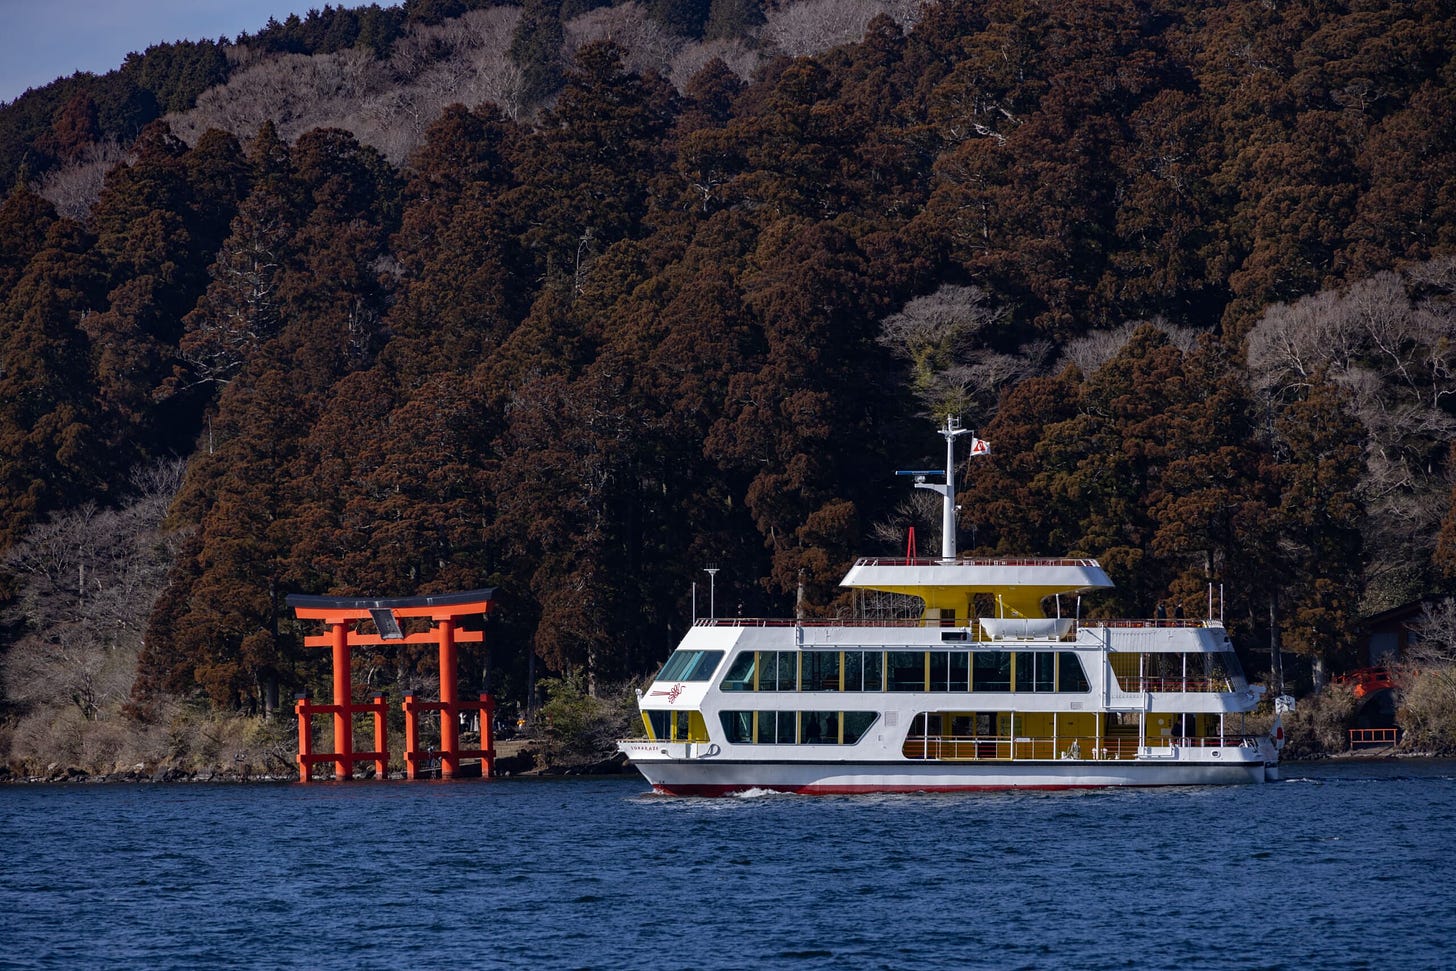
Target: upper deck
x: 1129, y: 635
x: 1019, y: 584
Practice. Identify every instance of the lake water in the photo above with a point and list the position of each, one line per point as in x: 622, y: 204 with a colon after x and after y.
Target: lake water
x: 1344, y: 865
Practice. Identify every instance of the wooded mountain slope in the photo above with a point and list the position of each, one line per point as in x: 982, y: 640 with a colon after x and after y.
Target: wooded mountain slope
x: 581, y: 357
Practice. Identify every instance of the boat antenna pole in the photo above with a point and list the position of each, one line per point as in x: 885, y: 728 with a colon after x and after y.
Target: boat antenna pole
x: 946, y: 489
x: 951, y: 431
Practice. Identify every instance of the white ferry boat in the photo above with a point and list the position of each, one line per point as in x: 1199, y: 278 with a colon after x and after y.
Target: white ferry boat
x: 981, y: 691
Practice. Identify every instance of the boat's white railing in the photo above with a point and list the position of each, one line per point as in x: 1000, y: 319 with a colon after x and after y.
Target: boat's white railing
x: 976, y: 561
x: 1133, y: 685
x: 1152, y: 623
x: 947, y: 624
x: 818, y: 622
x: 1003, y: 748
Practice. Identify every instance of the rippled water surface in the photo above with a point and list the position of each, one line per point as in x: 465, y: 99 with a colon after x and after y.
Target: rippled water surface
x: 1344, y: 865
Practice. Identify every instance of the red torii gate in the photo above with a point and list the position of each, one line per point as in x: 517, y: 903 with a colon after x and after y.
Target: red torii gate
x: 341, y: 614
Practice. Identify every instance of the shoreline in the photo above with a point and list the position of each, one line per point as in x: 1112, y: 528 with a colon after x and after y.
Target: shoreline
x: 520, y: 751
x: 514, y: 758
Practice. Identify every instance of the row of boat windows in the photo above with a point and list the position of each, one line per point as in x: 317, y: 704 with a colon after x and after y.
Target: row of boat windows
x: 690, y: 666
x: 905, y: 671
x: 796, y: 727
x: 952, y: 671
x: 763, y: 727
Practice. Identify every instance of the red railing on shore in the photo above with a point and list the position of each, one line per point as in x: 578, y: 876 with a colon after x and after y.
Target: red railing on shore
x: 1373, y: 736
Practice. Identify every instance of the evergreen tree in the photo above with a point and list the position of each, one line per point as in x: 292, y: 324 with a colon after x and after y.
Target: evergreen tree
x: 1318, y: 472
x: 536, y: 49
x: 24, y: 220
x: 50, y: 444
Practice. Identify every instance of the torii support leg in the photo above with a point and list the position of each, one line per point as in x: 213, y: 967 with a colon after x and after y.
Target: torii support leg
x: 343, y: 715
x: 449, y: 715
x: 305, y: 737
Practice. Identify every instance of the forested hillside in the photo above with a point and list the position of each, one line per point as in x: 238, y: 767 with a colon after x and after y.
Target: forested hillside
x: 1188, y: 268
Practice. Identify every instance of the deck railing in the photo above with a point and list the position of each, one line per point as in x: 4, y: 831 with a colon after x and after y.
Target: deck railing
x: 976, y: 561
x: 953, y: 623
x: 946, y: 748
x: 1135, y: 685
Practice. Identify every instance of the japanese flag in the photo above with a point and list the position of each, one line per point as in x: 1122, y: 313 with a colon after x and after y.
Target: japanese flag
x: 979, y: 446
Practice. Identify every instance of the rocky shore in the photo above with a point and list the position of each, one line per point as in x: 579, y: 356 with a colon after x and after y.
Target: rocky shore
x: 513, y: 759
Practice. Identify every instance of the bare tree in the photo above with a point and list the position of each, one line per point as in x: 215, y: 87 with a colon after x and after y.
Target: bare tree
x: 1390, y: 342
x: 946, y: 337
x: 808, y: 28
x: 387, y: 105
x: 87, y: 582
x: 647, y: 46
x: 1090, y: 351
x: 692, y: 58
x: 74, y: 188
x: 1435, y: 633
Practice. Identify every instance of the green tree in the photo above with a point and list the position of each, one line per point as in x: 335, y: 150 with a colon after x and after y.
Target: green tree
x: 536, y: 49
x: 583, y: 175
x: 25, y: 219
x: 50, y: 444
x: 1318, y: 471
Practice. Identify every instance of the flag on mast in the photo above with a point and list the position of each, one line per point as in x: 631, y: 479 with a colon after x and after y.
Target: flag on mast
x: 979, y: 446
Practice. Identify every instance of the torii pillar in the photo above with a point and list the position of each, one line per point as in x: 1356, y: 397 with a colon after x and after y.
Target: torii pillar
x: 342, y: 614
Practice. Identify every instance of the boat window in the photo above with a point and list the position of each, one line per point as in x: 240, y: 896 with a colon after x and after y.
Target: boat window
x: 740, y: 673
x: 939, y: 670
x: 949, y: 670
x: 864, y: 671
x: 821, y: 670
x: 1035, y: 670
x: 669, y: 725
x: 768, y: 670
x: 856, y: 723
x: 820, y: 727
x: 737, y: 725
x: 788, y: 670
x: 1070, y: 676
x: 991, y: 671
x: 778, y: 670
x: 690, y: 666
x: 776, y: 727
x: 907, y: 670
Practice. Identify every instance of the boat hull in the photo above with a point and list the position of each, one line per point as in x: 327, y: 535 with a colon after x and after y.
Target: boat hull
x: 719, y: 777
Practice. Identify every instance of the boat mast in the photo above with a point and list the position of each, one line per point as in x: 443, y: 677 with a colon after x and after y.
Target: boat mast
x: 951, y: 431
